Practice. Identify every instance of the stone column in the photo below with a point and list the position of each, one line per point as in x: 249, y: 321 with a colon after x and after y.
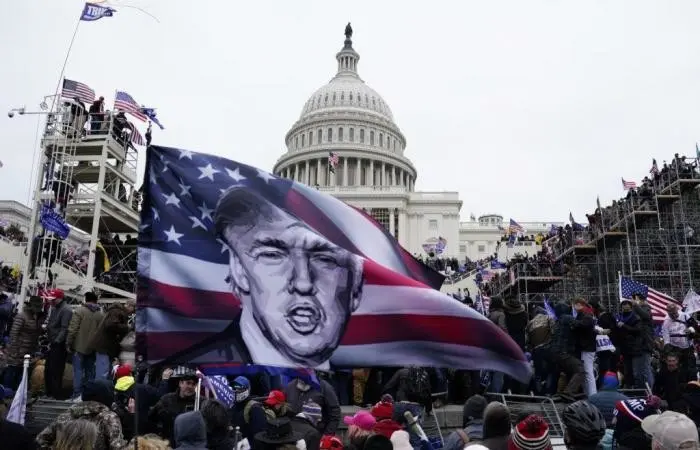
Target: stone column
x: 393, y: 175
x: 371, y: 172
x: 345, y: 172
x: 358, y: 173
x: 319, y: 164
x: 391, y: 221
x: 307, y: 175
x: 403, y: 230
x: 383, y: 177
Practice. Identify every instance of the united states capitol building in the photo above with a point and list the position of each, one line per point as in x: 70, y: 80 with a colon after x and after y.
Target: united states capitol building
x: 349, y: 119
x: 352, y: 121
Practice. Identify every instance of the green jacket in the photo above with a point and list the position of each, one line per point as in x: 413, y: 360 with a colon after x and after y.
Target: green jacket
x: 83, y: 326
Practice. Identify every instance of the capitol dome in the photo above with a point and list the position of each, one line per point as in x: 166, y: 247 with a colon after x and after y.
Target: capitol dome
x: 347, y: 91
x: 346, y: 135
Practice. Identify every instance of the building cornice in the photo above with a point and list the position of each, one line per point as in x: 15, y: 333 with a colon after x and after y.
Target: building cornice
x: 349, y: 150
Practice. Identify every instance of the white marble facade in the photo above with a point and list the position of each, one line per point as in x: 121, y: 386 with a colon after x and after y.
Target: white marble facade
x: 351, y: 120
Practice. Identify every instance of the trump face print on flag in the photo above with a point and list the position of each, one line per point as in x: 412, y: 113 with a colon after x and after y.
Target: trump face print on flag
x: 238, y: 265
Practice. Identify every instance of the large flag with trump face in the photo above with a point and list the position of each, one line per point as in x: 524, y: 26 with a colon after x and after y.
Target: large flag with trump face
x: 238, y: 265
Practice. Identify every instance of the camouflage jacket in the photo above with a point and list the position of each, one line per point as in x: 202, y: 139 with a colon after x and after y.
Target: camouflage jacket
x: 110, y: 429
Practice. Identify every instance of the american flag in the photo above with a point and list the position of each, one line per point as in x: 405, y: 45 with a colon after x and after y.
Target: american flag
x: 333, y: 161
x: 72, y: 89
x: 184, y: 297
x: 515, y: 227
x: 654, y: 168
x: 657, y: 300
x: 136, y: 137
x: 125, y: 102
x: 627, y: 185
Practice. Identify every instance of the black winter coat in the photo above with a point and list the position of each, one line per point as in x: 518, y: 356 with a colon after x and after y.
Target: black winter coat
x: 563, y: 339
x: 163, y: 414
x: 645, y: 315
x: 309, y: 433
x: 630, y: 336
x: 583, y: 327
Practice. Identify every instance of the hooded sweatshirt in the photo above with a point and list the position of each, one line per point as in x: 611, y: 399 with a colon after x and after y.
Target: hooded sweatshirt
x: 190, y: 431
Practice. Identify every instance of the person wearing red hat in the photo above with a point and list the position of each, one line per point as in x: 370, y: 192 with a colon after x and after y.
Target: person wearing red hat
x: 530, y: 434
x: 57, y: 330
x: 125, y: 370
x: 383, y: 412
x: 276, y: 405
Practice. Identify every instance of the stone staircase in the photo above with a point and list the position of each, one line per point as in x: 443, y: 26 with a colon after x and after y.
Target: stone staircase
x: 437, y: 426
x: 41, y: 412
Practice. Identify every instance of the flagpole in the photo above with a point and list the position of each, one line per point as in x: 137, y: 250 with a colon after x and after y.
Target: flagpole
x: 65, y: 63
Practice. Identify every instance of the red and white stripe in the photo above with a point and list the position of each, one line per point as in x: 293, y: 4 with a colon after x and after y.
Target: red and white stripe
x: 658, y: 301
x: 627, y: 185
x: 333, y: 159
x: 400, y: 321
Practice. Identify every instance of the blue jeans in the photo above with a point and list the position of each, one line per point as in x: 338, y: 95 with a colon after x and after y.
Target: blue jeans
x: 588, y: 358
x: 83, y: 371
x: 545, y: 380
x: 641, y: 367
x: 103, y: 367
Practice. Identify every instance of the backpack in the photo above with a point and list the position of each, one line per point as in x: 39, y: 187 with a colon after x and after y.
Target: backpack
x: 418, y: 382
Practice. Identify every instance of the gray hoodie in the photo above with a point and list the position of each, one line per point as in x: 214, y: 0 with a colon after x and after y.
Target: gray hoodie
x: 190, y: 431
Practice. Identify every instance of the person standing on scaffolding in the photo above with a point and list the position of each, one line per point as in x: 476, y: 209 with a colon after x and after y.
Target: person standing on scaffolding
x: 97, y: 115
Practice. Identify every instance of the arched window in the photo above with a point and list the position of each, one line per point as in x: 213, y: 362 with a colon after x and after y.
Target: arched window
x: 330, y: 134
x: 394, y: 144
x: 340, y: 134
x: 381, y: 139
x: 326, y: 100
x: 388, y: 142
x: 319, y: 136
x: 311, y: 138
x: 352, y: 133
x: 303, y: 140
x: 342, y: 96
x: 362, y: 136
x: 296, y: 142
x: 371, y: 138
x: 351, y: 97
x: 334, y: 97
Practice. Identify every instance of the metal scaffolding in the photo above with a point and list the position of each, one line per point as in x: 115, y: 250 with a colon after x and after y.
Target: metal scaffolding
x: 650, y: 236
x: 87, y: 175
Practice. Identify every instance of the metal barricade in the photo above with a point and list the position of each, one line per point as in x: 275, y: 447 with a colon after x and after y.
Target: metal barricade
x: 520, y: 405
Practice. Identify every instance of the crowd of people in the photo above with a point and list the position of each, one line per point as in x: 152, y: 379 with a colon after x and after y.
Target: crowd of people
x: 637, y: 391
x: 116, y: 398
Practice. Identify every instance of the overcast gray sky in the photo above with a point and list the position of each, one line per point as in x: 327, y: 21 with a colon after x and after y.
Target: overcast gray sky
x: 527, y: 108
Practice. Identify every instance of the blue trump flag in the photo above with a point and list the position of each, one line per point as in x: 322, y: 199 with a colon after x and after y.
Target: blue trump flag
x: 151, y: 114
x: 247, y: 370
x: 52, y: 221
x: 92, y: 12
x: 237, y: 265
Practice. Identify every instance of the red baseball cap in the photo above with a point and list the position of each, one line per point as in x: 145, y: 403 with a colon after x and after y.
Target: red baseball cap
x: 329, y: 442
x: 124, y: 370
x: 275, y: 398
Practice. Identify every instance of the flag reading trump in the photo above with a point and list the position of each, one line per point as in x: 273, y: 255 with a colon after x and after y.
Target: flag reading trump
x: 240, y: 266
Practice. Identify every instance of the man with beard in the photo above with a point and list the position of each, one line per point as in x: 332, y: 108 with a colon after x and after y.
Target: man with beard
x: 171, y: 405
x: 297, y: 289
